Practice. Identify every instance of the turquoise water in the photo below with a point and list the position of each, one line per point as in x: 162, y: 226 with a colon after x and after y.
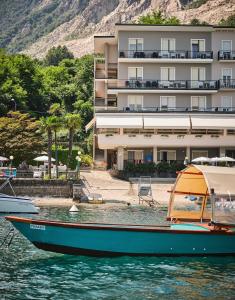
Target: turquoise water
x: 29, y: 273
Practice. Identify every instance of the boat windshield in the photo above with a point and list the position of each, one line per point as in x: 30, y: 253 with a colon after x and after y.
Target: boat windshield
x: 224, y: 209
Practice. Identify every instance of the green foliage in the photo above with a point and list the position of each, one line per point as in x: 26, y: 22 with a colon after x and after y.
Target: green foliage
x: 56, y: 54
x: 230, y: 21
x: 140, y: 169
x: 20, y: 136
x: 197, y: 22
x: 195, y: 4
x: 157, y: 18
x: 63, y: 157
x: 86, y: 160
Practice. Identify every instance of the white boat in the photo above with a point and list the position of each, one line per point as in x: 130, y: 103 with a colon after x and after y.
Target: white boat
x: 14, y: 204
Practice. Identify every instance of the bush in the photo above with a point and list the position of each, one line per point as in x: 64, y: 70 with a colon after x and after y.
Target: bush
x: 86, y: 160
x: 163, y: 167
x: 140, y: 169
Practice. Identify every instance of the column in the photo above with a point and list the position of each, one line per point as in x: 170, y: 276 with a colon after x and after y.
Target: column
x: 222, y: 151
x: 155, y: 155
x: 188, y: 154
x: 120, y: 158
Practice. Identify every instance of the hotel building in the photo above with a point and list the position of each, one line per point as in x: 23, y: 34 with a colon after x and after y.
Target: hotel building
x: 163, y: 93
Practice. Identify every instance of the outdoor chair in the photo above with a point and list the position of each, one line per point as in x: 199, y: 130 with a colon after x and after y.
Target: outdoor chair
x: 154, y: 84
x: 154, y: 55
x: 148, y: 84
x: 122, y: 54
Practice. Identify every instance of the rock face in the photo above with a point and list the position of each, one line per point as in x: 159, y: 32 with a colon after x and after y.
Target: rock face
x: 49, y: 23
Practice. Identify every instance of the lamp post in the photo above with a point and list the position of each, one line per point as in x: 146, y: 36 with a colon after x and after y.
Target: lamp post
x: 11, y: 159
x: 13, y: 100
x: 78, y: 158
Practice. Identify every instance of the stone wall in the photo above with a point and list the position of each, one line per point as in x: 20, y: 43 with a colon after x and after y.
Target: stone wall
x: 39, y: 187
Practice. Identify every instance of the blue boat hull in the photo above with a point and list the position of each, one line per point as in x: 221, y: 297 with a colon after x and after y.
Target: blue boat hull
x: 116, y: 240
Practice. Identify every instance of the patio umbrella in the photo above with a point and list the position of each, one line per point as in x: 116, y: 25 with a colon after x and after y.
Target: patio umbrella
x: 2, y: 158
x: 43, y: 158
x: 201, y: 159
x: 226, y: 159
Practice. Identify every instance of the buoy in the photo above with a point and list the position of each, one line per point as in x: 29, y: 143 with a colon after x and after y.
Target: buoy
x: 73, y: 208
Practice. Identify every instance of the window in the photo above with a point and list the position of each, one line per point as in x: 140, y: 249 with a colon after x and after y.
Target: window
x: 197, y: 75
x: 135, y: 44
x: 135, y: 156
x: 226, y: 77
x: 199, y: 153
x: 226, y: 103
x: 167, y: 102
x: 226, y: 45
x: 167, y: 74
x: 167, y: 155
x: 198, y: 102
x: 167, y: 45
x: 135, y: 73
x: 197, y: 45
x: 135, y: 102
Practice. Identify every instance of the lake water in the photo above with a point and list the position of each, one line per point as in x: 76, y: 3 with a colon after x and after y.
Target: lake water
x: 29, y: 273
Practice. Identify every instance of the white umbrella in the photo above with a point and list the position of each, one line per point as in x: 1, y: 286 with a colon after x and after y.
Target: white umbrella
x: 43, y: 158
x: 226, y: 159
x: 201, y: 159
x: 2, y: 158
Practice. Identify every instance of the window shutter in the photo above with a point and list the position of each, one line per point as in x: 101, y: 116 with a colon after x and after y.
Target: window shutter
x: 172, y: 44
x: 164, y: 73
x: 202, y: 74
x: 164, y: 45
x: 201, y: 45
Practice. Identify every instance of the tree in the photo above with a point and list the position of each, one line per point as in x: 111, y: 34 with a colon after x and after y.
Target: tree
x: 20, y: 136
x: 73, y: 123
x: 56, y: 54
x: 157, y: 18
x: 197, y: 22
x: 230, y: 21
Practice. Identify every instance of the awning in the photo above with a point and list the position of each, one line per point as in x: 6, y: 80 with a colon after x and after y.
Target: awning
x: 210, y: 122
x: 119, y: 121
x: 221, y: 179
x: 167, y: 122
x: 90, y: 124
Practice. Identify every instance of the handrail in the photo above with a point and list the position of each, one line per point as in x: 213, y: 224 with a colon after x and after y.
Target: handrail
x: 164, y: 84
x: 164, y: 54
x: 226, y: 55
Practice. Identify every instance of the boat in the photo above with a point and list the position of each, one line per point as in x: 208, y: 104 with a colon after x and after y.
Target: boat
x: 195, y: 228
x: 14, y: 204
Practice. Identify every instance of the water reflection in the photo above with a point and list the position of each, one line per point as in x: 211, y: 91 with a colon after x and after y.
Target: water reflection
x: 29, y: 273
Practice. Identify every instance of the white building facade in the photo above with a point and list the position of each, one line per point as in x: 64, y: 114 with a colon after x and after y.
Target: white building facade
x: 163, y: 93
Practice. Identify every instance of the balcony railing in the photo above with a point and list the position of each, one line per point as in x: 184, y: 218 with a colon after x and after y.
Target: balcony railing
x: 227, y: 84
x: 161, y: 109
x: 165, y: 84
x: 177, y: 54
x: 226, y: 55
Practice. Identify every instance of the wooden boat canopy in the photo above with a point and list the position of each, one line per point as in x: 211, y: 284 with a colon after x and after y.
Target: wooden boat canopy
x: 195, y: 183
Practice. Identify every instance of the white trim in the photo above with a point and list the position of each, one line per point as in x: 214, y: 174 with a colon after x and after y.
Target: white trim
x: 173, y: 39
x: 227, y: 69
x: 135, y: 40
x: 205, y: 100
x: 173, y: 68
x: 142, y: 71
x: 222, y: 101
x: 226, y: 41
x: 171, y: 108
x: 173, y: 151
x: 198, y: 40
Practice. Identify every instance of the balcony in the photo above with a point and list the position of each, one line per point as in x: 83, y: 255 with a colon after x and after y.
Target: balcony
x: 167, y: 85
x: 168, y: 56
x: 102, y: 73
x: 158, y: 109
x: 227, y: 84
x: 101, y: 104
x: 226, y: 56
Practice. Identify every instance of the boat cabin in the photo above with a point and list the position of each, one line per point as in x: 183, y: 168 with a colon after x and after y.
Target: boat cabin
x: 203, y: 194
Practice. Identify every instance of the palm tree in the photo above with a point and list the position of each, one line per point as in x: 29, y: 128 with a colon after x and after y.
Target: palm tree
x: 46, y: 125
x: 73, y: 123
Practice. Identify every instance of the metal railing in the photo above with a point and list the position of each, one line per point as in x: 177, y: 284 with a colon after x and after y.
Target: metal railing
x: 166, y: 84
x: 227, y: 83
x: 226, y: 55
x: 164, y: 54
x: 159, y: 109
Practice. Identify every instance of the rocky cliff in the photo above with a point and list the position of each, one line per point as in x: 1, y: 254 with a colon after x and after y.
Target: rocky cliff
x: 34, y: 26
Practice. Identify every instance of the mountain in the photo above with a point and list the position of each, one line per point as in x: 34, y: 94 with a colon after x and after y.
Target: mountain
x: 34, y: 26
